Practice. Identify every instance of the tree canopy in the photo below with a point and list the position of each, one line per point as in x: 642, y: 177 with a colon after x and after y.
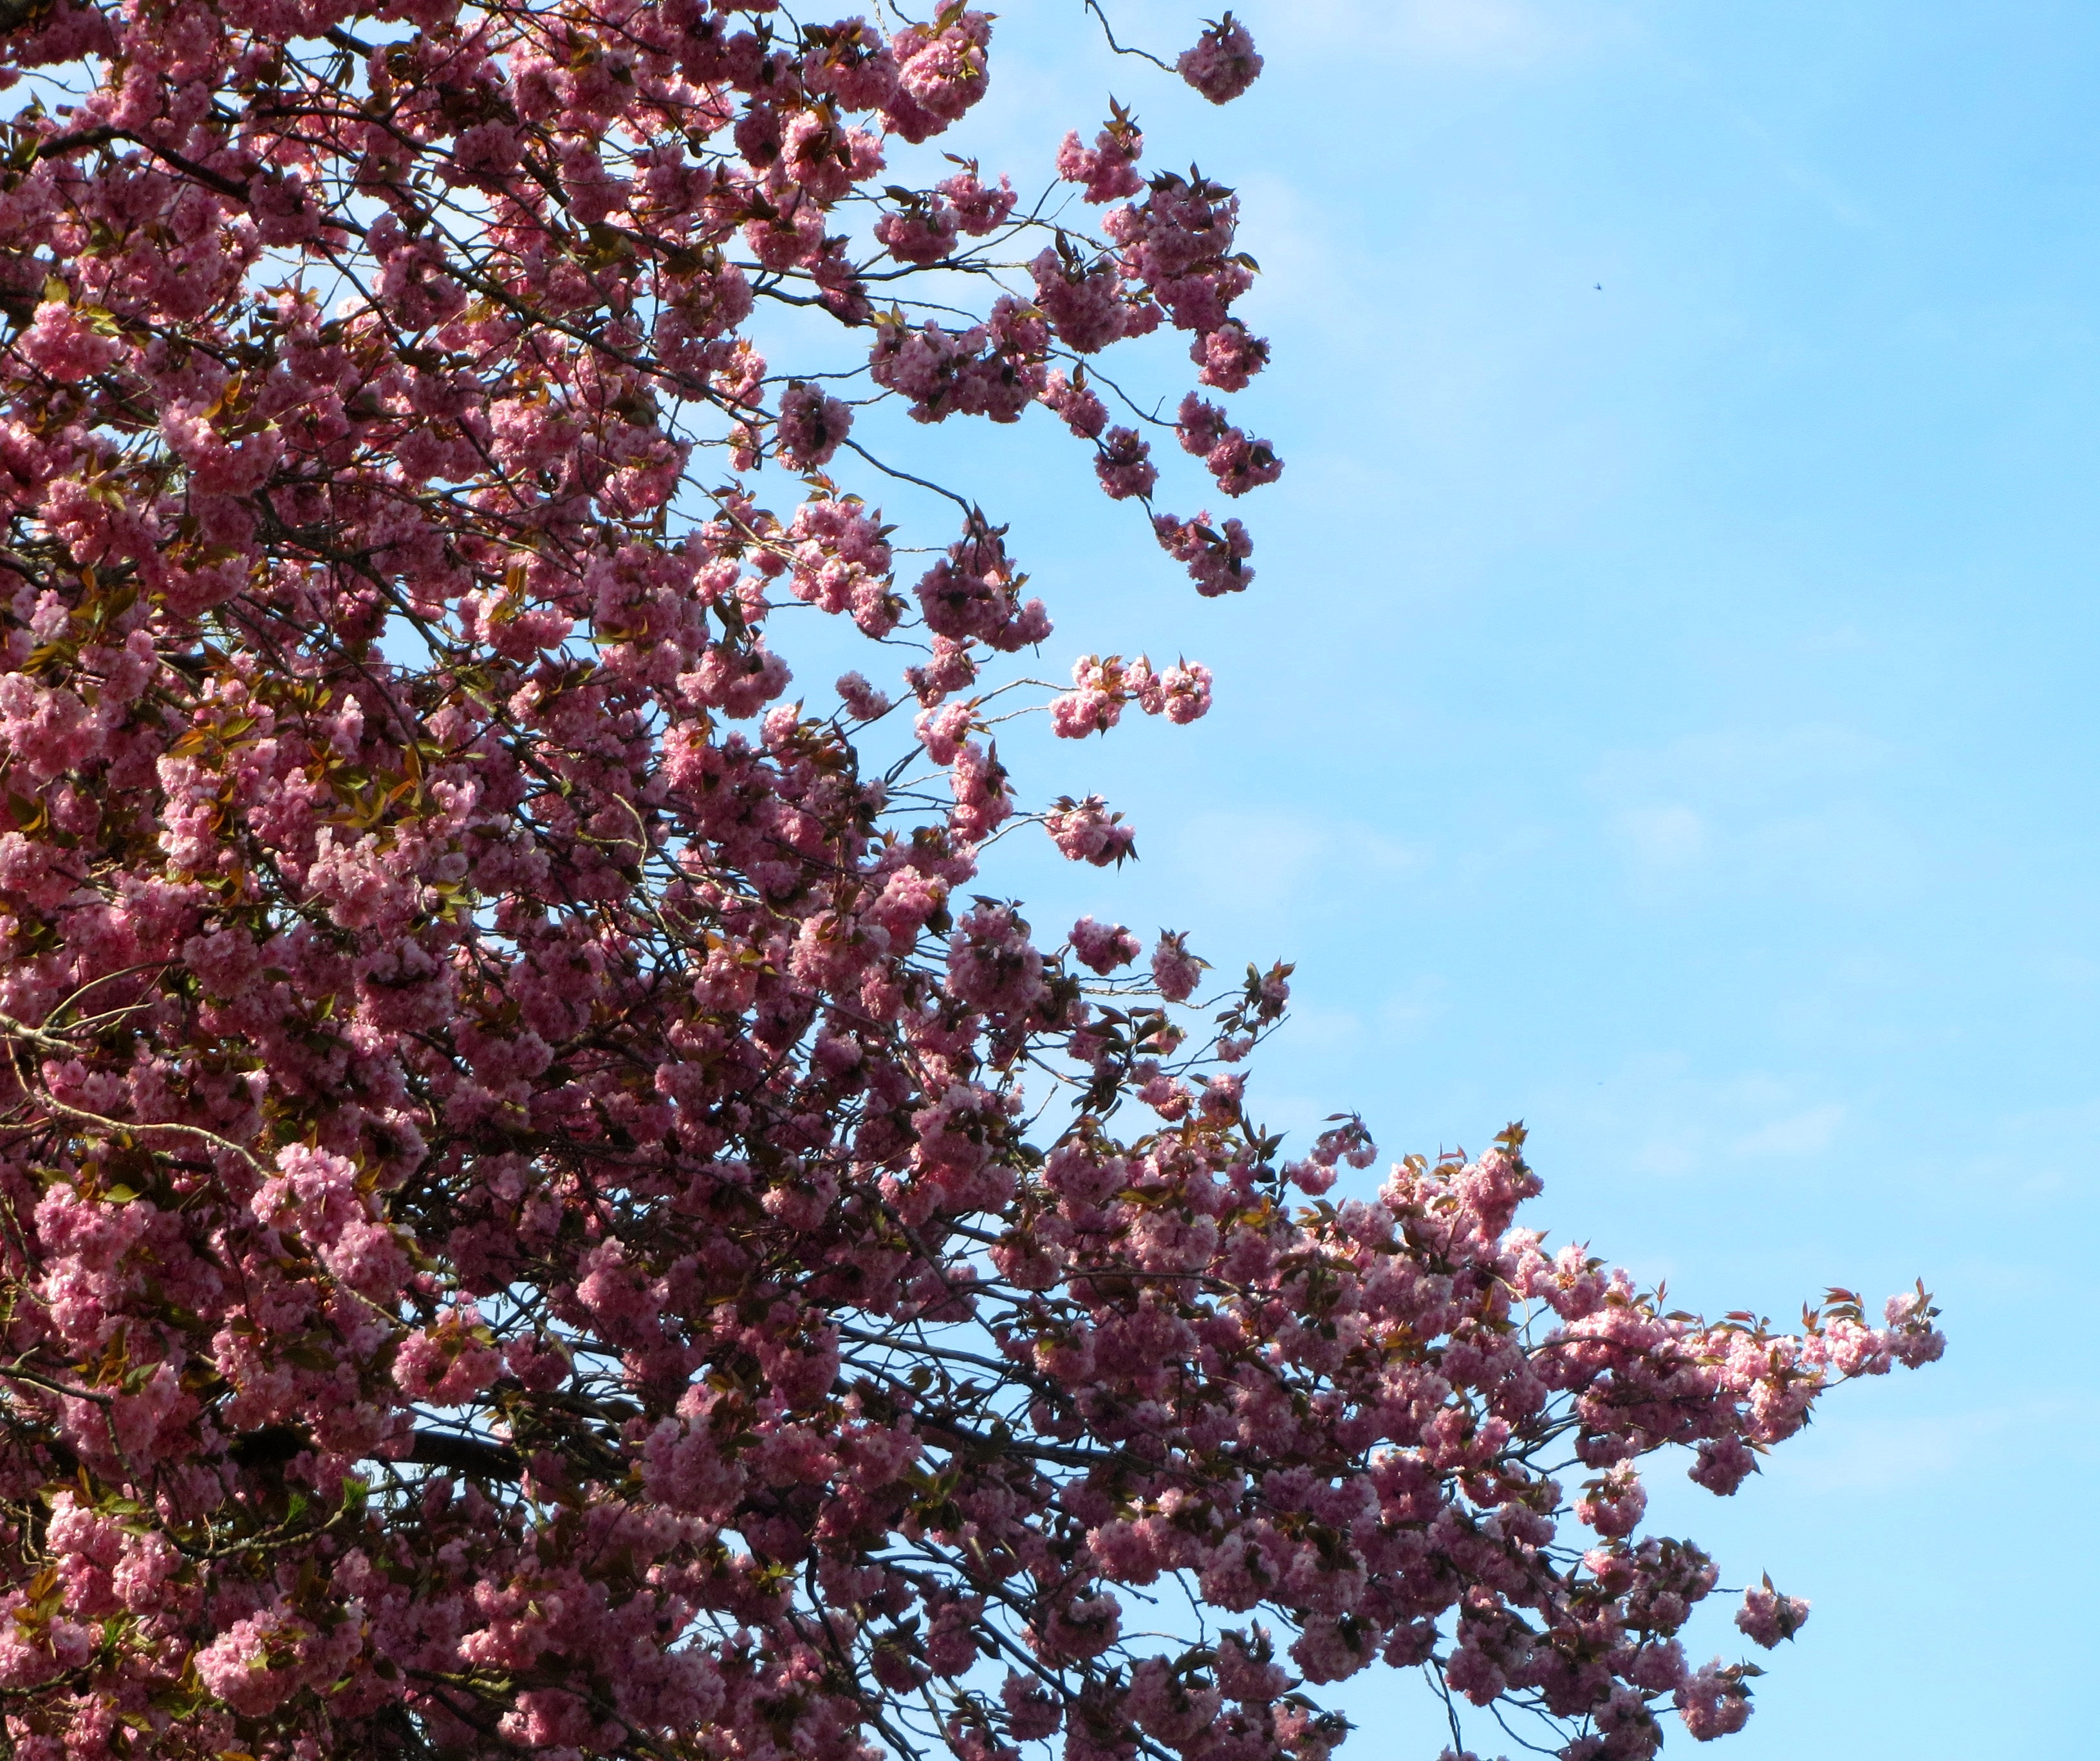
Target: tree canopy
x: 539, y: 1215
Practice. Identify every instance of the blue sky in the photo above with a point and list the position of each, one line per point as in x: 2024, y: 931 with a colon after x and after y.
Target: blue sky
x: 1664, y: 715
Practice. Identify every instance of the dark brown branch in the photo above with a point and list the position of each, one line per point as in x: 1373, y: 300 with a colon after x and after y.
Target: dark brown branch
x: 466, y: 1455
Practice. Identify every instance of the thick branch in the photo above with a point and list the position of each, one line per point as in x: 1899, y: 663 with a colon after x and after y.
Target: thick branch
x: 467, y: 1455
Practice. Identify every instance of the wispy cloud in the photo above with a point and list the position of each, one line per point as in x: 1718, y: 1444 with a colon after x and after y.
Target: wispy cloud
x: 1278, y: 856
x: 1808, y: 1133
x: 1663, y: 837
x: 1785, y: 808
x: 1489, y: 35
x: 1663, y: 1119
x: 1497, y: 32
x: 1883, y: 1455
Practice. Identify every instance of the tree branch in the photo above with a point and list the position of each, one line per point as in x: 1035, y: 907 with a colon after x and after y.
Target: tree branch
x: 466, y: 1455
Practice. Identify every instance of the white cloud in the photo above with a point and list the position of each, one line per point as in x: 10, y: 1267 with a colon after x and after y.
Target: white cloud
x: 1664, y: 837
x: 1877, y: 1455
x: 1746, y: 764
x: 1798, y: 1134
x: 1279, y: 856
x: 1660, y: 1117
x: 1498, y: 33
x: 1780, y: 810
x: 1487, y: 35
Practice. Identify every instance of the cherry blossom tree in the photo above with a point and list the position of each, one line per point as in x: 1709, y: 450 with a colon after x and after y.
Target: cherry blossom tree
x: 539, y: 1214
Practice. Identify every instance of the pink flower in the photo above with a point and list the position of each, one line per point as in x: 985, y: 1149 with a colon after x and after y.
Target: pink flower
x: 1174, y: 969
x: 66, y: 343
x: 1108, y: 168
x: 1084, y: 412
x: 1614, y: 1506
x: 1125, y: 465
x: 258, y: 1663
x: 984, y: 800
x: 1085, y: 831
x: 1724, y: 1463
x: 1104, y: 946
x: 979, y: 209
x: 1713, y: 1702
x: 922, y: 233
x: 1766, y: 1617
x: 942, y: 731
x: 811, y: 426
x: 1200, y: 425
x: 1216, y: 558
x: 1183, y: 692
x: 941, y: 72
x: 1238, y: 463
x: 950, y: 669
x: 1087, y: 304
x: 1911, y: 1339
x: 1223, y: 63
x: 1228, y: 356
x: 973, y: 593
x: 450, y: 1362
x: 1074, y: 715
x: 862, y: 700
x: 1032, y: 1711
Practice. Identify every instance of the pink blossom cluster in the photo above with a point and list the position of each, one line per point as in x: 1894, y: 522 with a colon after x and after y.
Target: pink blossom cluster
x: 535, y: 1222
x: 995, y: 369
x: 921, y: 232
x: 1237, y: 462
x: 1087, y: 301
x: 1170, y: 256
x: 1102, y: 687
x: 979, y: 208
x: 973, y: 595
x: 1768, y: 1617
x: 1086, y: 831
x: 1223, y: 63
x: 1102, y: 947
x: 811, y: 426
x: 838, y: 559
x: 1215, y: 556
x: 1107, y: 169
